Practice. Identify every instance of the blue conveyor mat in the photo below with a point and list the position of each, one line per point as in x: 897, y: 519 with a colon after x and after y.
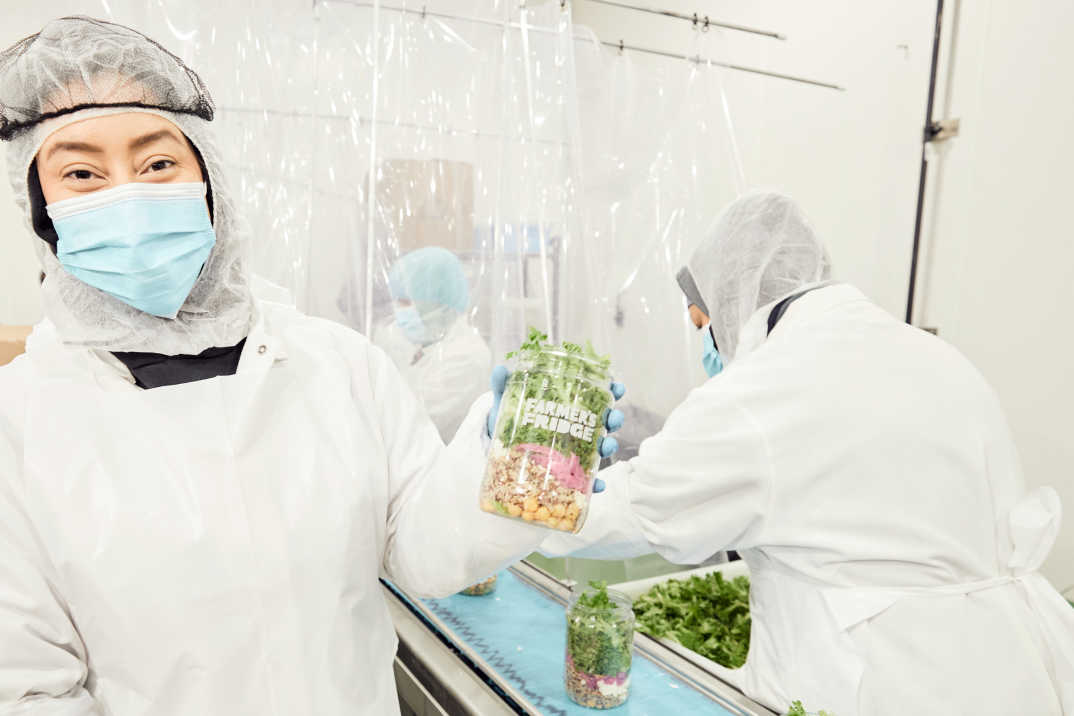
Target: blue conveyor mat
x: 521, y: 634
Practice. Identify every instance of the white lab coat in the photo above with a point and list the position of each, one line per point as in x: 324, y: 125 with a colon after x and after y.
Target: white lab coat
x: 446, y: 376
x: 865, y: 471
x: 214, y: 547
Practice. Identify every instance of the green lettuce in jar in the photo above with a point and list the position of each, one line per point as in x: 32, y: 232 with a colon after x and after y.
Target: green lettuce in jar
x: 547, y: 437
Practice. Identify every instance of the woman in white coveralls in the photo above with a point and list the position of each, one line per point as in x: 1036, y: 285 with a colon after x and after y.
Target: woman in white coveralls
x: 198, y: 491
x: 865, y: 471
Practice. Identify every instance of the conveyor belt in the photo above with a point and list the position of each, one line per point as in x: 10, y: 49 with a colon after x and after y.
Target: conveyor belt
x: 515, y: 639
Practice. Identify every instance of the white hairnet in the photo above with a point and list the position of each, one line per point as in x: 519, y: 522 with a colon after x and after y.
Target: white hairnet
x: 762, y: 250
x: 79, y: 62
x: 219, y: 310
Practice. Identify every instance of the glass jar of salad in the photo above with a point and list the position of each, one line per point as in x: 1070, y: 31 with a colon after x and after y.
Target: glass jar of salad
x: 480, y: 589
x: 600, y: 637
x: 545, y: 446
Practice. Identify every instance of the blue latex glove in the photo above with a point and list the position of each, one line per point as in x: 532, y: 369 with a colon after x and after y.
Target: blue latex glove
x: 613, y: 419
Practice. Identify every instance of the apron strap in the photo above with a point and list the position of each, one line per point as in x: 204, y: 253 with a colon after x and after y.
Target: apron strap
x: 780, y: 308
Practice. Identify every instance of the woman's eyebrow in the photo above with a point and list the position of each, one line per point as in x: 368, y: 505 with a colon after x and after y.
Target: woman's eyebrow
x: 139, y: 142
x: 73, y: 147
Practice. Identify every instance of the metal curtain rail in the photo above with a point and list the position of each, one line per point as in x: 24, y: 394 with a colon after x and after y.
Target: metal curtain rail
x: 731, y: 66
x: 425, y: 12
x: 698, y: 20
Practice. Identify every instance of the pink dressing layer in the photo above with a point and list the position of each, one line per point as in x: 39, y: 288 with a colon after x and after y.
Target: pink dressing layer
x: 593, y: 680
x: 567, y: 472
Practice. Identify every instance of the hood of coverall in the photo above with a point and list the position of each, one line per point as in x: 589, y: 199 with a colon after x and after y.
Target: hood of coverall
x: 761, y: 251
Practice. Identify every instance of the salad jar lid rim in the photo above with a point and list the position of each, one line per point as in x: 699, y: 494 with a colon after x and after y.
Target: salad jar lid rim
x: 566, y: 354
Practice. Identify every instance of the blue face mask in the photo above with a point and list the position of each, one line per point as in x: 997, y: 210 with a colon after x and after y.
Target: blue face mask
x: 710, y: 357
x: 409, y: 320
x: 142, y: 243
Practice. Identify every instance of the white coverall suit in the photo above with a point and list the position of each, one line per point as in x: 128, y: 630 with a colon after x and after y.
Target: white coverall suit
x: 865, y: 472
x: 214, y: 546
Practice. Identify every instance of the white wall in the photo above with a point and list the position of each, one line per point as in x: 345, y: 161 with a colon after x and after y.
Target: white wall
x: 999, y: 271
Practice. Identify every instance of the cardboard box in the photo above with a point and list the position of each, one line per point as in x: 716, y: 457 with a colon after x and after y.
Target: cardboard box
x: 426, y: 202
x: 12, y: 342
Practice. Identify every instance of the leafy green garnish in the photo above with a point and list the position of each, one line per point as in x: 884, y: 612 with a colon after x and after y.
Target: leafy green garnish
x: 598, y: 640
x: 599, y: 599
x: 535, y: 342
x: 798, y: 710
x: 568, y: 374
x: 708, y: 615
x: 587, y: 356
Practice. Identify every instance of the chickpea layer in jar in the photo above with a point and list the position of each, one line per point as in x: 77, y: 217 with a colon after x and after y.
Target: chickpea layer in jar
x: 526, y: 490
x: 596, y: 692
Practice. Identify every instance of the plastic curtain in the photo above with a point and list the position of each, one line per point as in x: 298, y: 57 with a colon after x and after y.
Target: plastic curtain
x: 571, y: 181
x: 259, y: 59
x: 661, y: 162
x: 452, y: 134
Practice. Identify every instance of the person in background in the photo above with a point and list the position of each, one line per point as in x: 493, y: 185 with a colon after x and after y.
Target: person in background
x: 865, y: 472
x: 441, y: 356
x: 198, y: 490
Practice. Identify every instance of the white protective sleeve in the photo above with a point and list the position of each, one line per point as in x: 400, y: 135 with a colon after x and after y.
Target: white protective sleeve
x: 699, y: 486
x: 438, y: 539
x: 611, y: 529
x: 448, y: 389
x: 42, y: 659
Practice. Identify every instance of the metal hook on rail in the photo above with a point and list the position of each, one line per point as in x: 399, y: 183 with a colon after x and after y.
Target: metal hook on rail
x: 693, y: 17
x: 621, y: 47
x: 705, y: 27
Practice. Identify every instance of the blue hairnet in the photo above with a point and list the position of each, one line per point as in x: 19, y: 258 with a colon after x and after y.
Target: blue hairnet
x: 430, y: 277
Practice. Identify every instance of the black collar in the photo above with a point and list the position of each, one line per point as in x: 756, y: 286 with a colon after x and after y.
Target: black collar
x: 781, y: 307
x: 153, y: 370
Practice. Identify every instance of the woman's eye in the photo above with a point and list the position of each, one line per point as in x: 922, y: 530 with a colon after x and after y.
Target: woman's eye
x: 161, y: 164
x: 80, y: 174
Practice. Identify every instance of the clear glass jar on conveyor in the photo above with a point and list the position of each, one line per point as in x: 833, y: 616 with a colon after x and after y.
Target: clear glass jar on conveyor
x: 546, y: 441
x: 600, y: 640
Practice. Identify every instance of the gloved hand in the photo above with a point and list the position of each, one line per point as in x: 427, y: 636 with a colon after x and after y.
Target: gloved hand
x: 613, y: 419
